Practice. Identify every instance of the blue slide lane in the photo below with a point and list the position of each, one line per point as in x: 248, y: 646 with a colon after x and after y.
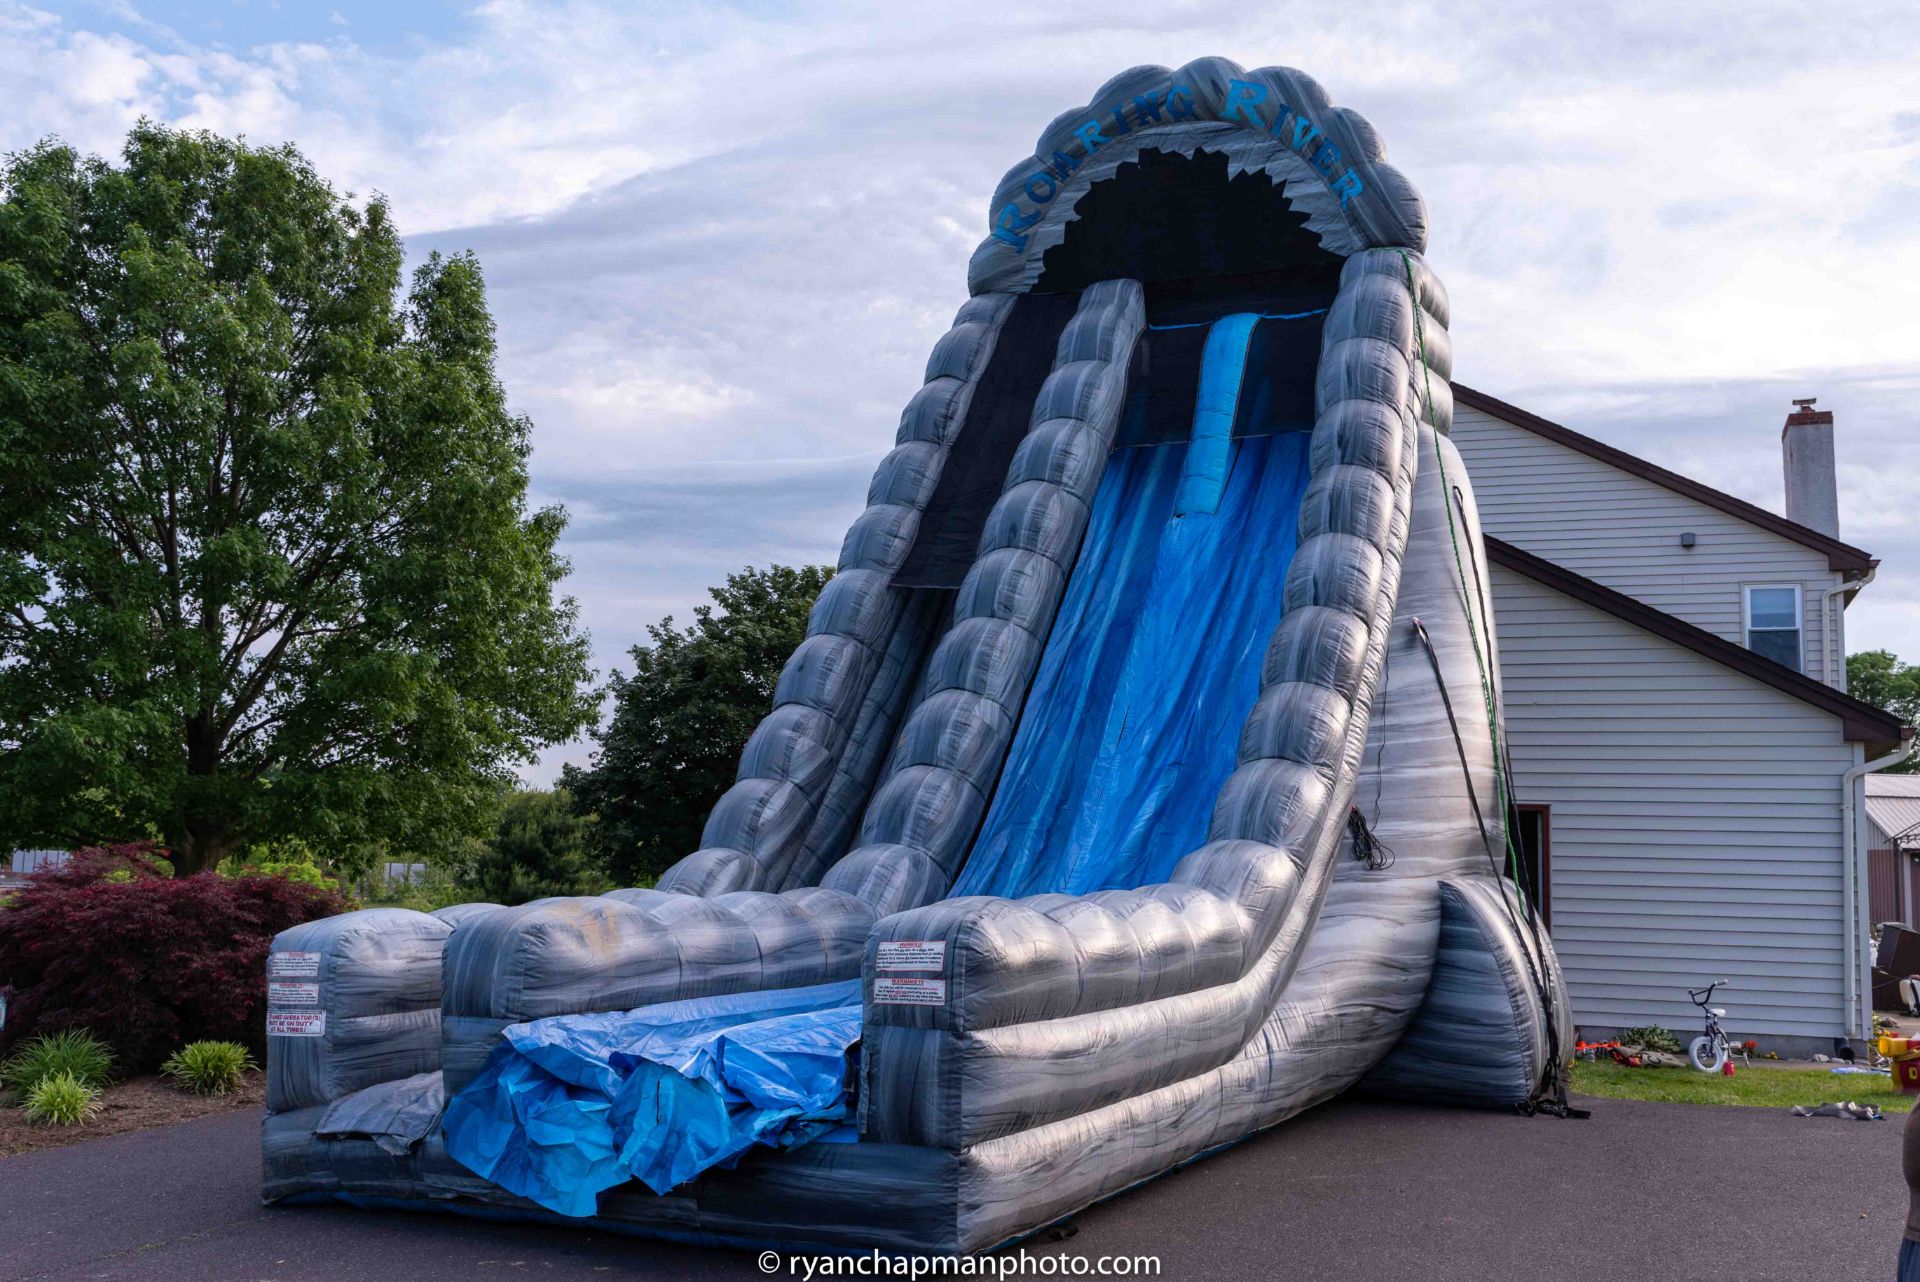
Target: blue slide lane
x: 1134, y: 719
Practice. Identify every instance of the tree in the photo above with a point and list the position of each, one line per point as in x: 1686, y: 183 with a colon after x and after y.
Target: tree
x: 680, y: 721
x: 539, y: 849
x: 267, y: 567
x: 1880, y: 678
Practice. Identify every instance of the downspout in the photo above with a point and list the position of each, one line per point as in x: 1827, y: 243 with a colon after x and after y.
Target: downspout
x: 1833, y: 651
x: 1859, y: 929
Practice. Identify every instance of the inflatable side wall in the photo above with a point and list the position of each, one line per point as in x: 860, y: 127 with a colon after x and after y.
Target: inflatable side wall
x: 1173, y: 518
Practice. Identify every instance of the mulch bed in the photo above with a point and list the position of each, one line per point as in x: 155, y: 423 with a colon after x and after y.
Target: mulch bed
x: 131, y: 1106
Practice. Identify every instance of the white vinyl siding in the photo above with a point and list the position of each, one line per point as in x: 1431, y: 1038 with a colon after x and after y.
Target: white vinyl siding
x: 1695, y: 820
x: 1624, y: 531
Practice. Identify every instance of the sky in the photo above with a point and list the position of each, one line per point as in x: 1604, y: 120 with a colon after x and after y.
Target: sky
x: 720, y: 240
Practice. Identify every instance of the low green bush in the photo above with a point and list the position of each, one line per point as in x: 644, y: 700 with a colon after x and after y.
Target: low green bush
x: 62, y: 1100
x: 208, y: 1068
x: 74, y: 1052
x: 1652, y: 1037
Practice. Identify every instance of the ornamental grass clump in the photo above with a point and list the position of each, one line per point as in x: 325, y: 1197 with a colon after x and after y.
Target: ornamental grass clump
x: 208, y: 1068
x: 62, y: 1100
x: 75, y: 1052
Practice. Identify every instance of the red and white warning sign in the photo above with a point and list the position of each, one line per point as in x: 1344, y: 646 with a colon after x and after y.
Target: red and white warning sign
x: 282, y: 992
x: 296, y: 1023
x: 891, y: 990
x: 912, y: 954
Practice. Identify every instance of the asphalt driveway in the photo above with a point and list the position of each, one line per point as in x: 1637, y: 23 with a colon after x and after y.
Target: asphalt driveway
x: 1348, y: 1192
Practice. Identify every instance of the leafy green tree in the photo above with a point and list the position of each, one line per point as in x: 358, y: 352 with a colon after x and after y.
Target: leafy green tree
x: 267, y: 566
x: 1880, y: 678
x: 680, y: 721
x: 540, y: 848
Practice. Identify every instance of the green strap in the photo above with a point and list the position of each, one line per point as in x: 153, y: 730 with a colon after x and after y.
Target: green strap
x: 1466, y: 598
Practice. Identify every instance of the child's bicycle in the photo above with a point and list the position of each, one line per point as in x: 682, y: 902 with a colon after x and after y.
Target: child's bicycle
x: 1710, y: 1051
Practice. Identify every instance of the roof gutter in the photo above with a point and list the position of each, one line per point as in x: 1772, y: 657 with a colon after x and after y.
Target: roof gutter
x: 1853, y: 791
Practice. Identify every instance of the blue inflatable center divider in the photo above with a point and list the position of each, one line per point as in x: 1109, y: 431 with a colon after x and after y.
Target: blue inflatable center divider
x: 1130, y: 730
x: 575, y: 1104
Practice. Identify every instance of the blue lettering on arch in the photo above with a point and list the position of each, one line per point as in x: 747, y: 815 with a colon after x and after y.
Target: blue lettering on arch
x: 1010, y: 223
x: 1090, y: 136
x: 1347, y: 186
x: 1052, y: 188
x: 1180, y: 103
x: 1145, y: 109
x: 1064, y: 165
x: 1243, y: 103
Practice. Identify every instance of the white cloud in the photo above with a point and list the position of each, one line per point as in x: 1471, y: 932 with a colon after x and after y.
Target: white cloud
x: 721, y: 239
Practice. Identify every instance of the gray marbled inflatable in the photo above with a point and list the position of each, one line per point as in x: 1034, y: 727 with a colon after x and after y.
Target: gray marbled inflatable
x: 1023, y: 1057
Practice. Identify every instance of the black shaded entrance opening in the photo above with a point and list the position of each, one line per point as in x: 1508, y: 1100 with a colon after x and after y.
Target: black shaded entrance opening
x: 1167, y: 217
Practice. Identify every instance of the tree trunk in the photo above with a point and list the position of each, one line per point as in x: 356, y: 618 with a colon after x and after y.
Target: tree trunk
x: 202, y: 846
x: 204, y: 839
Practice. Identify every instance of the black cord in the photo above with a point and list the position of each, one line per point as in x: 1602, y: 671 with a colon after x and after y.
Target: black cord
x: 1376, y: 854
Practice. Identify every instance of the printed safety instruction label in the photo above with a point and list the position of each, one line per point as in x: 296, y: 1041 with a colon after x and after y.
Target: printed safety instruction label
x: 889, y: 990
x: 296, y: 1023
x: 282, y: 992
x: 912, y: 954
x: 293, y: 965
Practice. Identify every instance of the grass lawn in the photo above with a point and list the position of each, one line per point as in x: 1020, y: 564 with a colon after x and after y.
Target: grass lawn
x: 1761, y: 1087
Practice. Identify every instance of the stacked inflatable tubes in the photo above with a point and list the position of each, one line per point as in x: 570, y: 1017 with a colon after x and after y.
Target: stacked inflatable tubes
x: 935, y: 787
x: 761, y: 827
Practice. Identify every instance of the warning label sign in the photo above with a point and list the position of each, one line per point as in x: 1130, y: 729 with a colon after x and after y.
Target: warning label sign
x: 913, y: 954
x: 891, y: 991
x: 282, y: 992
x: 293, y: 965
x: 296, y: 1023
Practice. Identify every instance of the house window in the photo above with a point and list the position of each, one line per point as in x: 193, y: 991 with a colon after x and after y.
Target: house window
x: 1773, y: 624
x: 1532, y: 829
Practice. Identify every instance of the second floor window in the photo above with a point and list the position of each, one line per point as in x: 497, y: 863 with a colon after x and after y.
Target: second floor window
x: 1773, y: 624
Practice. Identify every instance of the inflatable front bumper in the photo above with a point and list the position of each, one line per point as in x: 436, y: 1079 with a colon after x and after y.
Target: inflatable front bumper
x: 1174, y: 517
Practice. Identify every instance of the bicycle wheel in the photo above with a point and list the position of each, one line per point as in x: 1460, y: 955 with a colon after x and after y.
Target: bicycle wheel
x: 1708, y: 1054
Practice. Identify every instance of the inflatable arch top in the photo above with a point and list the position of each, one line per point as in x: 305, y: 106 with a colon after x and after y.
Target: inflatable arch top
x: 1273, y: 121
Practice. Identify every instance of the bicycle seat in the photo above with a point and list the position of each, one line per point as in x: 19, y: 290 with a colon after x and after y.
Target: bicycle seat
x: 1716, y: 1011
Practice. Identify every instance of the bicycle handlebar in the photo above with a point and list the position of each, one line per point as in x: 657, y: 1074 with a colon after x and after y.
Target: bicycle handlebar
x: 1701, y: 996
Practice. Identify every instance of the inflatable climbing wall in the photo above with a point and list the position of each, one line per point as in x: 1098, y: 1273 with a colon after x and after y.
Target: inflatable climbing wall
x: 1139, y: 784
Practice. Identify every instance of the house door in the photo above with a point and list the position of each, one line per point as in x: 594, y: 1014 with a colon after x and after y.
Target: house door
x: 1533, y: 838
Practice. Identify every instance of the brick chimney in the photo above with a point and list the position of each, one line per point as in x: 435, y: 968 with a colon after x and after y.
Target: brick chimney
x: 1806, y: 453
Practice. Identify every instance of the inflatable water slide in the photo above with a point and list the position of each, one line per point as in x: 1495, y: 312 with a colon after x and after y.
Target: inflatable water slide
x: 1139, y: 784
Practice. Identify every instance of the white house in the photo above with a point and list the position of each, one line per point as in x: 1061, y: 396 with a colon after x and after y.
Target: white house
x: 1688, y: 768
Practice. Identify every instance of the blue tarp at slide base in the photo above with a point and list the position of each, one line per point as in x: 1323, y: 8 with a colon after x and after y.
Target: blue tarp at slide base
x: 574, y: 1104
x: 1128, y: 734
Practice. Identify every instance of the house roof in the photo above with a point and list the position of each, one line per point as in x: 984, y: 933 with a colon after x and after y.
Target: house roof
x: 1840, y: 556
x: 1861, y: 721
x: 1893, y: 803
